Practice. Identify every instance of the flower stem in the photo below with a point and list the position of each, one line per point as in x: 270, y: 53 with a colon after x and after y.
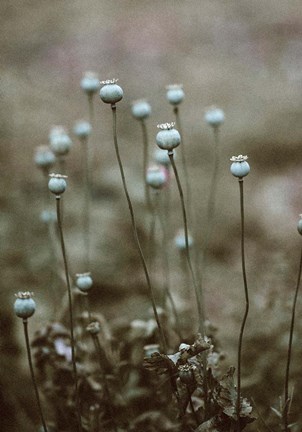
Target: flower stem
x: 145, y: 165
x: 133, y: 221
x: 289, y: 350
x: 238, y: 403
x: 25, y: 326
x: 58, y: 199
x: 184, y: 162
x: 86, y: 209
x: 197, y: 291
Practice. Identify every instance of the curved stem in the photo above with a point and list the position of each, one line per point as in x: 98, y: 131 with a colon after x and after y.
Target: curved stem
x: 184, y: 162
x: 145, y: 165
x: 86, y: 209
x: 91, y: 109
x: 289, y: 350
x: 197, y: 291
x: 25, y: 326
x: 72, y: 340
x: 238, y: 403
x: 136, y: 238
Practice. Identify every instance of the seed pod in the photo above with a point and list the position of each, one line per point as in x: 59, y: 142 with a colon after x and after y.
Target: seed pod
x: 167, y: 138
x: 84, y: 281
x: 180, y: 240
x: 24, y: 305
x: 90, y: 83
x: 59, y: 141
x: 156, y: 177
x: 299, y: 227
x: 82, y: 129
x: 111, y: 92
x: 141, y: 109
x: 57, y: 183
x: 214, y: 117
x: 175, y: 94
x: 240, y: 167
x: 44, y: 157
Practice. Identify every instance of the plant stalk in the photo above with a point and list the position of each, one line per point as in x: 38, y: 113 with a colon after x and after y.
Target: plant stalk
x: 72, y: 340
x: 185, y: 221
x: 25, y: 326
x: 136, y: 238
x: 145, y: 165
x: 289, y: 350
x: 238, y: 402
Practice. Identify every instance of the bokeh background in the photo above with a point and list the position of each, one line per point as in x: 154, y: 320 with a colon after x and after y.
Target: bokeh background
x: 245, y: 57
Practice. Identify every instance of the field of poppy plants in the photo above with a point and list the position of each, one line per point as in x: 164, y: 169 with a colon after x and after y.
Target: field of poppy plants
x: 164, y: 372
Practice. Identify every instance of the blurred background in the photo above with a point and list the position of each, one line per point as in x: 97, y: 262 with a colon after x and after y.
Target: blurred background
x: 245, y: 57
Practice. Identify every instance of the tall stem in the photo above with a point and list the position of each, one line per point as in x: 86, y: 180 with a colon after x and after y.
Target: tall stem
x: 145, y: 164
x: 58, y: 199
x: 25, y: 326
x: 197, y: 291
x: 184, y: 163
x: 91, y: 109
x: 86, y: 209
x: 289, y: 350
x: 238, y: 404
x: 136, y: 238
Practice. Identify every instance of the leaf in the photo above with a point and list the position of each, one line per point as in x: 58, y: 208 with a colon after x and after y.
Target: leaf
x: 276, y: 412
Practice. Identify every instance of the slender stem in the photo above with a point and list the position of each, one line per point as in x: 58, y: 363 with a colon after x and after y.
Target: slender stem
x: 197, y: 291
x: 91, y: 108
x: 145, y: 164
x: 133, y: 221
x: 168, y: 293
x: 238, y: 404
x: 184, y: 162
x: 100, y: 353
x: 289, y: 350
x: 212, y: 195
x: 25, y: 326
x: 86, y: 209
x: 58, y: 199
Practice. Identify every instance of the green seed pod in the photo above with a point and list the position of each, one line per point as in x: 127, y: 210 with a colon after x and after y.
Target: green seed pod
x: 156, y: 177
x: 82, y: 129
x: 90, y: 83
x: 84, y: 281
x: 111, y: 92
x: 299, y: 227
x: 180, y: 242
x: 167, y: 138
x: 59, y: 141
x: 239, y: 168
x: 24, y: 305
x: 44, y: 157
x: 141, y: 109
x: 57, y: 183
x: 214, y: 117
x: 175, y: 94
x: 94, y: 328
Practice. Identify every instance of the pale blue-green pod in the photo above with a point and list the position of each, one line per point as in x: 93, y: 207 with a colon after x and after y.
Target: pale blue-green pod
x: 167, y: 138
x: 84, y: 282
x: 60, y: 144
x: 57, y: 184
x: 90, y: 83
x: 141, y: 109
x: 240, y: 169
x: 24, y: 305
x: 156, y: 177
x: 111, y: 92
x: 82, y: 129
x: 44, y: 157
x: 175, y: 94
x: 214, y: 117
x: 180, y: 240
x: 299, y: 227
